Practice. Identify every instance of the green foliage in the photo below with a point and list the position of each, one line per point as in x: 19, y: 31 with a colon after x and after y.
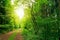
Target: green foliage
x: 44, y: 20
x: 41, y: 21
x: 6, y: 19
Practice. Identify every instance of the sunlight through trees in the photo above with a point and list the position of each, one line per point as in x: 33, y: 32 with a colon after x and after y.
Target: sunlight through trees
x: 20, y: 11
x: 38, y: 19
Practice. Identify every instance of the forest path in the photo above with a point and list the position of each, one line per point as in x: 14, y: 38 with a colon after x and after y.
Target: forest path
x: 14, y: 35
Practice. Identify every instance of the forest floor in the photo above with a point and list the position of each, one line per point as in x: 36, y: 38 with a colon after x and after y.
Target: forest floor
x: 14, y: 35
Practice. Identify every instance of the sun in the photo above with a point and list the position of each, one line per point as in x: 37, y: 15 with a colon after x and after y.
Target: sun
x: 20, y: 11
x: 12, y: 2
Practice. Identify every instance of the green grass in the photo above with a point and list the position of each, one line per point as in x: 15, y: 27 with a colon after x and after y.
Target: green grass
x: 12, y: 36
